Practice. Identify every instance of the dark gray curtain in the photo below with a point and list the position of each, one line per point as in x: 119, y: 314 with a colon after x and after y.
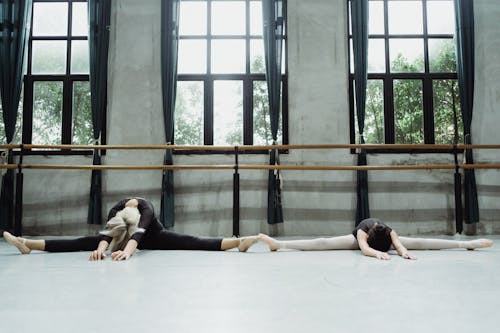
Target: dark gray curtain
x: 274, y: 17
x: 99, y: 16
x: 169, y: 47
x: 359, y: 21
x: 14, y: 23
x: 464, y: 14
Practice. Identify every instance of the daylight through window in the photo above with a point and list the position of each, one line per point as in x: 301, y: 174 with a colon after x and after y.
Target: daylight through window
x: 412, y: 90
x: 221, y: 88
x: 56, y: 86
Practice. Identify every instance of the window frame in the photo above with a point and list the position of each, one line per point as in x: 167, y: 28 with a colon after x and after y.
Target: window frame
x: 67, y: 79
x: 247, y: 78
x: 388, y: 78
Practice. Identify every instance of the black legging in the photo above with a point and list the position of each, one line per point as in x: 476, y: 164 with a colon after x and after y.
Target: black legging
x: 155, y: 237
x: 88, y: 243
x: 169, y: 240
x: 159, y: 240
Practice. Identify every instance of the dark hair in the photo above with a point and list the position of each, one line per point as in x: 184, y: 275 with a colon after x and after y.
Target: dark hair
x: 379, y: 237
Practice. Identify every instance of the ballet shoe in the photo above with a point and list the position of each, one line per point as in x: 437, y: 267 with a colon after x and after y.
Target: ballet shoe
x: 246, y: 242
x: 18, y: 242
x: 479, y: 243
x: 271, y: 243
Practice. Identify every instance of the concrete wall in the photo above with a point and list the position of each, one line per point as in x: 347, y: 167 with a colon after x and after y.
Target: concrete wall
x: 315, y: 203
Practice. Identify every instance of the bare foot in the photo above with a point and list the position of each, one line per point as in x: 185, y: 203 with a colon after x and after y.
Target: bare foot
x: 271, y: 242
x: 478, y: 243
x: 246, y: 242
x: 17, y: 242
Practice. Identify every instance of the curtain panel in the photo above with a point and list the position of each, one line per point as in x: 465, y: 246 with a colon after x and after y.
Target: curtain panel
x: 464, y: 16
x: 359, y: 22
x: 99, y: 17
x: 14, y: 33
x: 274, y: 20
x: 169, y: 50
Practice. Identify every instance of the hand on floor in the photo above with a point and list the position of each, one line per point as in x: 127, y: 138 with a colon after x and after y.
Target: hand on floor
x: 120, y: 255
x: 97, y: 255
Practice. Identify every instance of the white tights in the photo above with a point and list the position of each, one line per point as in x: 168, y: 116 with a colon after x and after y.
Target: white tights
x: 434, y: 244
x: 348, y: 242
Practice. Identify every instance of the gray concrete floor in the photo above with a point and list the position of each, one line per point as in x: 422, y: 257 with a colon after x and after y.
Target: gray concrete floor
x: 288, y: 291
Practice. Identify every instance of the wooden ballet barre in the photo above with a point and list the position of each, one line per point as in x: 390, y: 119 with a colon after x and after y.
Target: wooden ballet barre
x: 251, y: 167
x: 346, y: 167
x: 241, y: 147
x: 10, y: 146
x: 481, y: 166
x: 8, y: 166
x: 127, y: 167
x: 260, y: 147
x: 128, y: 147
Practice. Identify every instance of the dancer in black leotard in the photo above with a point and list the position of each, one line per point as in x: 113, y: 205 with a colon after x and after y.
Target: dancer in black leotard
x: 131, y: 224
x: 374, y: 239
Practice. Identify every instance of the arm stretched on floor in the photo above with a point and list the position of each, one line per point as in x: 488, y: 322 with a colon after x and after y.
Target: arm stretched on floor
x: 99, y: 253
x: 127, y: 252
x: 362, y: 238
x: 402, y: 251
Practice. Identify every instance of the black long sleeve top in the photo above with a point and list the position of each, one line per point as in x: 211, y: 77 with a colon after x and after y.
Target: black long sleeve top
x: 147, y: 220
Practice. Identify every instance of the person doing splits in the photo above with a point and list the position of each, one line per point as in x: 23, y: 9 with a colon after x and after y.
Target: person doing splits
x: 131, y: 225
x: 374, y: 239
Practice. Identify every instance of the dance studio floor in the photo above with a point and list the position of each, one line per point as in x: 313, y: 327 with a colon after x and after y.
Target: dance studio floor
x: 288, y: 291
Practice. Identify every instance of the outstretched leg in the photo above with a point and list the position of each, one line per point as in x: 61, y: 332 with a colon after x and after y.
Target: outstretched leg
x: 441, y: 244
x: 24, y: 245
x: 169, y: 240
x: 347, y: 242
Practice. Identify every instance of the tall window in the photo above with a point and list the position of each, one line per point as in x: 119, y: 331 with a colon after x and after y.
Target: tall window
x: 221, y: 87
x: 56, y: 86
x: 412, y: 90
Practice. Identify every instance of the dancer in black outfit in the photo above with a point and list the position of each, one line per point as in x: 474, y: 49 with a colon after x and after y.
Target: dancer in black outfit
x: 131, y: 224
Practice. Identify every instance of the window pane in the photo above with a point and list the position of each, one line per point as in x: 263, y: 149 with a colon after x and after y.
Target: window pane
x: 50, y: 19
x: 405, y: 17
x: 19, y: 123
x: 228, y: 17
x: 256, y: 20
x: 374, y: 112
x: 407, y: 55
x: 47, y: 112
x: 192, y: 57
x: 349, y: 25
x: 228, y: 113
x: 82, y: 114
x: 228, y: 56
x: 189, y: 113
x: 351, y: 58
x: 376, y: 14
x: 440, y: 17
x: 283, y: 58
x: 446, y: 106
x: 261, y: 120
x: 257, y: 62
x: 49, y: 57
x: 79, y: 22
x: 79, y: 57
x: 442, y: 55
x: 408, y: 111
x: 193, y: 18
x: 376, y: 55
